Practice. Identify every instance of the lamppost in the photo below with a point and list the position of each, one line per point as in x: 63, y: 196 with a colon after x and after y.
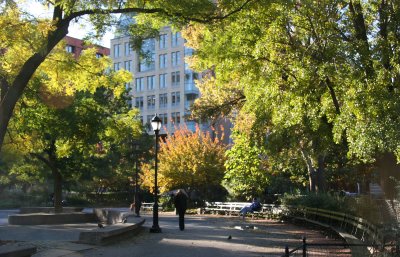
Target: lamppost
x: 156, y: 124
x: 137, y: 199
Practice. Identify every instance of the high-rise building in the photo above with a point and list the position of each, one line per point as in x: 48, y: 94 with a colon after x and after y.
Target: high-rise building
x: 162, y: 83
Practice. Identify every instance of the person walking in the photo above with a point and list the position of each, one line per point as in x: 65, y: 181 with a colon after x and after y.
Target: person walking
x: 137, y: 204
x: 180, y: 202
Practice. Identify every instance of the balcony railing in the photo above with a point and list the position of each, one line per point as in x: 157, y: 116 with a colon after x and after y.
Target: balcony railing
x: 190, y: 88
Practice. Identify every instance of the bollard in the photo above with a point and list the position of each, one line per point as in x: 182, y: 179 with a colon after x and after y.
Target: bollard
x: 287, y: 251
x: 304, y: 247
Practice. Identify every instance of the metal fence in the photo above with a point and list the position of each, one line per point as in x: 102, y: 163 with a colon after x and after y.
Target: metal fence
x: 342, y: 250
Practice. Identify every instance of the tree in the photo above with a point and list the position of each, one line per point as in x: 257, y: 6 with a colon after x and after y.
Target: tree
x: 246, y: 174
x: 319, y: 76
x: 188, y: 159
x: 62, y: 130
x: 34, y: 39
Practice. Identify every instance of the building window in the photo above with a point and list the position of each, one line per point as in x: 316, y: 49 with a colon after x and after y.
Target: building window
x: 190, y: 78
x: 188, y: 51
x: 147, y: 58
x: 164, y: 118
x: 176, y: 117
x: 117, y: 66
x: 151, y: 81
x: 163, y: 80
x: 116, y: 50
x: 139, y: 102
x: 175, y: 78
x: 163, y: 100
x: 175, y: 38
x: 139, y: 84
x: 151, y: 102
x: 163, y: 41
x: 148, y: 122
x: 162, y: 61
x: 175, y: 98
x: 128, y: 49
x: 175, y: 58
x: 128, y: 86
x: 141, y: 119
x: 128, y: 65
x: 70, y: 49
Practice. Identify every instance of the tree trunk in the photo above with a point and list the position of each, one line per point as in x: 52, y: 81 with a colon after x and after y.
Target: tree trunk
x: 51, y: 162
x: 11, y: 94
x: 316, y: 176
x: 57, y: 190
x: 320, y: 175
x: 311, y: 170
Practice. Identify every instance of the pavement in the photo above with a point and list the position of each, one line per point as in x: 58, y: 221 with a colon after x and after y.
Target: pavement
x: 204, y: 235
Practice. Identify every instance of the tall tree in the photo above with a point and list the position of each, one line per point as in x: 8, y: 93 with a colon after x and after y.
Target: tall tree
x: 321, y: 74
x: 189, y: 159
x: 62, y: 130
x: 34, y: 39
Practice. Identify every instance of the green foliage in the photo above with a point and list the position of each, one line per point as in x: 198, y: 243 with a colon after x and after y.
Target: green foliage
x: 246, y: 172
x: 80, y: 131
x: 363, y: 206
x: 319, y: 78
x: 10, y: 199
x: 321, y: 201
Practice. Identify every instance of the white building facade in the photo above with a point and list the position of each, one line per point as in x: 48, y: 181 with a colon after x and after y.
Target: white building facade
x: 161, y: 82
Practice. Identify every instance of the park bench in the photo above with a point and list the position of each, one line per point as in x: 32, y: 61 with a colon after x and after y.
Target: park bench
x: 148, y: 207
x: 233, y: 208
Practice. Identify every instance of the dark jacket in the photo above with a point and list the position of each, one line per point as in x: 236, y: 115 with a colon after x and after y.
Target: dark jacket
x: 255, y: 206
x: 180, y: 202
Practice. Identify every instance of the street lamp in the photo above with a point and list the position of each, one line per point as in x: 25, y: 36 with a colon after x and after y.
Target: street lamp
x: 137, y: 197
x: 156, y: 124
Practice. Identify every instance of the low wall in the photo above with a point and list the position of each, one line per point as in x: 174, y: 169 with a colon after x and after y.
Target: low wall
x: 30, y: 216
x: 51, y: 218
x: 108, y: 234
x: 24, y: 210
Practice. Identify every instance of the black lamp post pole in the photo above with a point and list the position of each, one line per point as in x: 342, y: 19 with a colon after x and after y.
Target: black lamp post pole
x: 136, y: 170
x: 136, y: 177
x: 155, y: 228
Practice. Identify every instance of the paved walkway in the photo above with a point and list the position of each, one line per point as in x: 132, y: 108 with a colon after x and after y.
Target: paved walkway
x: 203, y: 236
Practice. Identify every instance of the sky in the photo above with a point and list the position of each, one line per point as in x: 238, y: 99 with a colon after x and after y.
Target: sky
x: 75, y: 30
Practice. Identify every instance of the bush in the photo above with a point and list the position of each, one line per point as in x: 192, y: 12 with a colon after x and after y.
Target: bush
x: 321, y: 201
x: 77, y: 200
x: 17, y: 199
x: 363, y: 206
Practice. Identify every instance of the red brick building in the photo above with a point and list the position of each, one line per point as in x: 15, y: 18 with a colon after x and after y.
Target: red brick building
x: 75, y: 46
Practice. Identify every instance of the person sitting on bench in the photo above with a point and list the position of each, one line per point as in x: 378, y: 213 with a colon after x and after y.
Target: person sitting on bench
x: 254, y: 206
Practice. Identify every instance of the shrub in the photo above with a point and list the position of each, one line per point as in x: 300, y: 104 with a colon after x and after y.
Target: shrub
x: 321, y: 201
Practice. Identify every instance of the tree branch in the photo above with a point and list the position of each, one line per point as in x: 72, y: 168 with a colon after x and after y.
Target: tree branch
x: 361, y: 35
x: 156, y: 10
x: 329, y: 84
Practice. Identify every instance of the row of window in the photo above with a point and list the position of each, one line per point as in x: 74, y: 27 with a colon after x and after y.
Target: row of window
x: 163, y: 100
x: 72, y: 49
x: 175, y: 118
x: 149, y: 43
x: 162, y: 81
x: 148, y: 63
